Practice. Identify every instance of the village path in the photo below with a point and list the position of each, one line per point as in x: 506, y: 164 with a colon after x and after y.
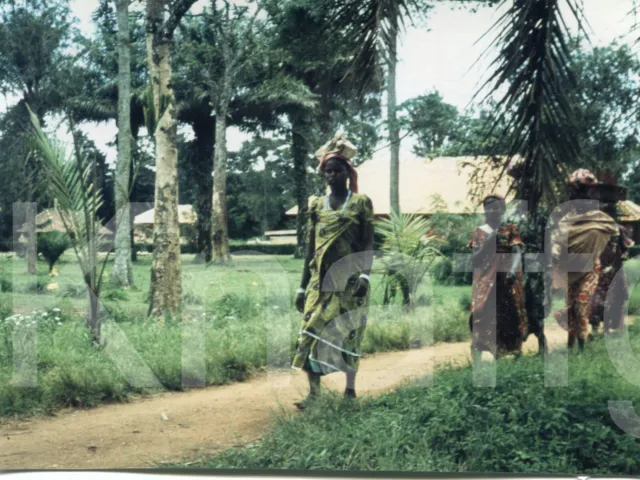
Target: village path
x: 178, y: 425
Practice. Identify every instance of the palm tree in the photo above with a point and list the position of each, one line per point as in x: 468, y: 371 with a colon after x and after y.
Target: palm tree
x: 375, y: 26
x: 532, y: 65
x: 77, y: 199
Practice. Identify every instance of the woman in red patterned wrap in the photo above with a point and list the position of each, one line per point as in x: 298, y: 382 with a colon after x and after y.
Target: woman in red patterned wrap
x: 498, y: 316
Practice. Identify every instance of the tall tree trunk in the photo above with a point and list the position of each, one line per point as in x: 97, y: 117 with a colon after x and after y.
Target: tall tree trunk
x: 205, y: 138
x: 32, y: 240
x: 300, y: 151
x: 219, y: 212
x: 135, y: 128
x: 394, y: 131
x: 122, y: 269
x: 166, y: 279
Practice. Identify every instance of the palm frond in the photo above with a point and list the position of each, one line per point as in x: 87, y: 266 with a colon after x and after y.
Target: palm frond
x: 77, y: 200
x: 372, y: 25
x: 92, y: 110
x: 407, y: 247
x: 533, y: 65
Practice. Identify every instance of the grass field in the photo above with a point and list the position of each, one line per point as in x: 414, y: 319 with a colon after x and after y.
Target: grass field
x: 244, y: 312
x: 520, y: 426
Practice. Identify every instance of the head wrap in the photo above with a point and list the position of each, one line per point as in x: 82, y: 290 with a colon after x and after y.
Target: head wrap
x: 494, y: 196
x: 339, y: 147
x: 582, y: 177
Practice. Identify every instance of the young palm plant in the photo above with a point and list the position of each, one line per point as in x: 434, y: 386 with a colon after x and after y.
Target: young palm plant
x: 77, y: 199
x: 408, y: 254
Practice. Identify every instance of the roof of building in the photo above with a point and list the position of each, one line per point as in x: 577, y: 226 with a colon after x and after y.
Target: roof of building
x: 186, y: 214
x: 424, y: 180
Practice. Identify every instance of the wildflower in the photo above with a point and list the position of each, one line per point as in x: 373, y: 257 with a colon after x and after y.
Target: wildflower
x: 52, y: 286
x: 56, y: 310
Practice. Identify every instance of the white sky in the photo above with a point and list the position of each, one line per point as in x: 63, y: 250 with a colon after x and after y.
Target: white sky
x: 439, y: 56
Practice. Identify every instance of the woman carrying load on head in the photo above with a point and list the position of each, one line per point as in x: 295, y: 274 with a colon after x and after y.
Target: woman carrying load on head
x: 498, y: 317
x: 334, y: 291
x: 584, y: 232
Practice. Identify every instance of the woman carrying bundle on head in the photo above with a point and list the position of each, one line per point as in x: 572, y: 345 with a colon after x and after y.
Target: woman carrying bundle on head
x: 585, y: 232
x: 334, y: 291
x: 498, y: 318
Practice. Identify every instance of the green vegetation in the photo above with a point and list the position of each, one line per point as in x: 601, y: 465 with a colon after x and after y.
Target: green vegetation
x: 520, y: 426
x: 52, y: 245
x: 233, y: 305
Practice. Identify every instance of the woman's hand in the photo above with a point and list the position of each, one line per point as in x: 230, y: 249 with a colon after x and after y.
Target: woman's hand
x: 362, y: 287
x: 300, y: 298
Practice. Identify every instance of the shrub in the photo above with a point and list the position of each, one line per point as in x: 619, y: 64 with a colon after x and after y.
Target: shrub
x: 441, y: 271
x: 464, y: 302
x: 234, y: 305
x: 443, y: 274
x: 52, y: 245
x: 37, y: 286
x: 73, y: 291
x: 408, y: 253
x: 114, y: 294
x: 6, y: 285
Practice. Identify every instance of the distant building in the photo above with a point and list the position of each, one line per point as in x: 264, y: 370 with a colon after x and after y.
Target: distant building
x: 421, y: 181
x: 143, y: 224
x: 50, y: 220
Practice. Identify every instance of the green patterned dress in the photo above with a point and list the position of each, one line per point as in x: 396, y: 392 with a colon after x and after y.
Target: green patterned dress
x: 334, y: 319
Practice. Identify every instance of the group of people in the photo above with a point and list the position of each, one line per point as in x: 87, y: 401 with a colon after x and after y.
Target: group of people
x: 507, y: 304
x: 587, y: 251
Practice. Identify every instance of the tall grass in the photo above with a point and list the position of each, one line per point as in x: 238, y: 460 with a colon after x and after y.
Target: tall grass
x: 243, y: 334
x: 520, y: 426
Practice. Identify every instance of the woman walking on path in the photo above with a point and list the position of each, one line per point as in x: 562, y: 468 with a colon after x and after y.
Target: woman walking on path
x: 334, y: 291
x: 585, y: 231
x: 498, y: 318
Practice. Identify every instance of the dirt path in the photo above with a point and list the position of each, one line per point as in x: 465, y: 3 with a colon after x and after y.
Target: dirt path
x: 178, y: 425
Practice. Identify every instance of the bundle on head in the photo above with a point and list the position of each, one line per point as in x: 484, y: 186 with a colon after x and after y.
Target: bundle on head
x: 340, y: 148
x: 581, y: 182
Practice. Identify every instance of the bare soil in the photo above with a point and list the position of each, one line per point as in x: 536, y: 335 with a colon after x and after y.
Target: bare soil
x: 173, y: 426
